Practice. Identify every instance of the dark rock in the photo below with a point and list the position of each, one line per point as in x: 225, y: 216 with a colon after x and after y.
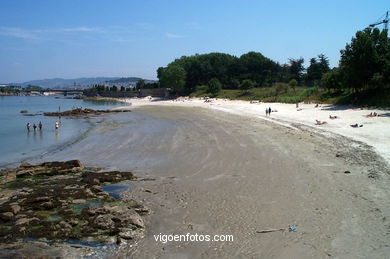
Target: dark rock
x: 82, y: 112
x: 26, y: 221
x: 347, y: 172
x: 47, y: 205
x: 6, y: 216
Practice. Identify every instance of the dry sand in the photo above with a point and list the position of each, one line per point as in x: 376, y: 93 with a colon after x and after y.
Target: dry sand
x: 234, y: 175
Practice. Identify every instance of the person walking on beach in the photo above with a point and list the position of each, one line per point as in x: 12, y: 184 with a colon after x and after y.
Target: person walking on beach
x: 28, y: 126
x: 266, y: 111
x: 57, y: 125
x: 40, y: 125
x: 269, y: 111
x: 35, y: 127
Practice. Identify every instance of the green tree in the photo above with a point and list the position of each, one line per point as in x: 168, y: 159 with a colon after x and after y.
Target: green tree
x: 140, y: 84
x: 317, y: 68
x: 33, y: 88
x: 332, y: 80
x: 296, y: 68
x: 173, y: 76
x: 365, y: 62
x: 293, y: 83
x: 247, y: 84
x: 214, y: 86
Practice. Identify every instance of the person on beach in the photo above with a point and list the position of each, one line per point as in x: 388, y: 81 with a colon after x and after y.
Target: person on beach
x: 269, y: 111
x: 28, y: 126
x: 40, y: 126
x: 57, y: 125
x: 266, y: 111
x: 35, y: 127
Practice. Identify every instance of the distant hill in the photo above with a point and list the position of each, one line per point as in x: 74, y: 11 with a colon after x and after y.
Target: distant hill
x: 124, y: 80
x: 79, y: 83
x: 57, y: 83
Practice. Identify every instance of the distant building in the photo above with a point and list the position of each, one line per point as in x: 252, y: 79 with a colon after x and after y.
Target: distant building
x: 16, y: 87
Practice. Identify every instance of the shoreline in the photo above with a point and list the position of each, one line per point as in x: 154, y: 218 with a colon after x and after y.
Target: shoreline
x: 374, y: 133
x: 238, y: 174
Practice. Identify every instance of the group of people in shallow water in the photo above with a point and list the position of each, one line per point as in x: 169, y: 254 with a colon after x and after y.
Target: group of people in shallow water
x: 40, y: 126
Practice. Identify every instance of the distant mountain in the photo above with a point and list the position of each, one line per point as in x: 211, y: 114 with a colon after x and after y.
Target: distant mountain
x: 58, y: 83
x: 81, y: 83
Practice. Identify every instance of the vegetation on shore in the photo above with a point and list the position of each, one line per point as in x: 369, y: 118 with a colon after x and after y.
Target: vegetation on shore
x: 362, y: 77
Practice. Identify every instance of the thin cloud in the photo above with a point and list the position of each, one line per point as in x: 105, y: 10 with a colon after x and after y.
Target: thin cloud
x: 80, y: 29
x: 171, y: 35
x: 18, y: 33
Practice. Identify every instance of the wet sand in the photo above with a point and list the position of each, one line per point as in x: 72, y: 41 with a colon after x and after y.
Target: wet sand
x: 219, y: 173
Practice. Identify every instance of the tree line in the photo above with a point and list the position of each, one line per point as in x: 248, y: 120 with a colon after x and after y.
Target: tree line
x: 139, y: 85
x: 364, y: 63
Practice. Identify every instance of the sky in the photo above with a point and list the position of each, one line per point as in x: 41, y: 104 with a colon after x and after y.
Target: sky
x: 90, y: 38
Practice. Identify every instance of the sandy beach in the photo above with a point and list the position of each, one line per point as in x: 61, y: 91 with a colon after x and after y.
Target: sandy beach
x: 375, y: 130
x: 220, y: 169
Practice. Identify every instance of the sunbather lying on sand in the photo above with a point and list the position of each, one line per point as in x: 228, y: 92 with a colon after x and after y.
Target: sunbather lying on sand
x: 333, y: 117
x: 356, y: 125
x: 372, y: 115
x: 320, y: 122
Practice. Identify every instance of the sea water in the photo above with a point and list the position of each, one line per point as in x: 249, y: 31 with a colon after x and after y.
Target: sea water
x: 17, y: 144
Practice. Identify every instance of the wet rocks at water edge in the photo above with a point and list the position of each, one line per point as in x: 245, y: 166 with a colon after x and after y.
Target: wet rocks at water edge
x: 60, y: 201
x: 79, y: 112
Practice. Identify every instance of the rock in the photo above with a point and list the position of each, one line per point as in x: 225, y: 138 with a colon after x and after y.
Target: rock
x: 104, y: 222
x: 41, y: 199
x: 64, y: 224
x: 26, y: 165
x: 63, y: 165
x: 26, y: 221
x: 79, y: 201
x: 15, y: 208
x: 88, y: 193
x: 6, y: 216
x: 142, y: 211
x: 127, y: 233
x: 347, y: 172
x: 96, y: 188
x: 115, y: 217
x: 47, y: 205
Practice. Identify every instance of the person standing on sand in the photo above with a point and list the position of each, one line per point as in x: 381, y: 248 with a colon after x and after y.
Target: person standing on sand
x: 269, y: 111
x: 28, y: 126
x: 266, y: 111
x: 40, y: 126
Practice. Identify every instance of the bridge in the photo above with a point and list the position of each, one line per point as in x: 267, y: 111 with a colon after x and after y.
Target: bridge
x: 56, y: 92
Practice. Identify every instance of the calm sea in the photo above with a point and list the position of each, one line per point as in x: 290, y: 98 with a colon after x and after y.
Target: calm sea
x: 17, y: 144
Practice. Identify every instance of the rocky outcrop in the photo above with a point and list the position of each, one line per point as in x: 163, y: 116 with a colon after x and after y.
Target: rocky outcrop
x: 83, y: 112
x: 64, y: 200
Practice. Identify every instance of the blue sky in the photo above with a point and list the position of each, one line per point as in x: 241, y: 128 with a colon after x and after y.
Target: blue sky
x: 68, y: 38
